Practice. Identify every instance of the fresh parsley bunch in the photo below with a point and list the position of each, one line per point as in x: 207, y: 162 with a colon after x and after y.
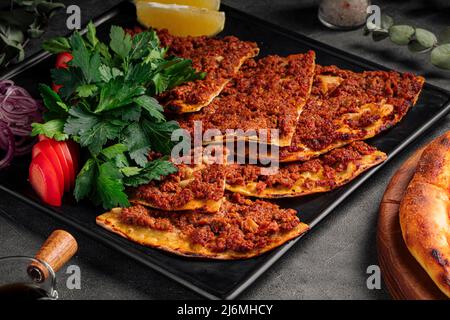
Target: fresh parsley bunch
x: 106, y: 104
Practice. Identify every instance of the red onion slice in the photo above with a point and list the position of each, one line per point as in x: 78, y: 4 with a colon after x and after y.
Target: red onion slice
x: 5, y: 132
x: 18, y: 110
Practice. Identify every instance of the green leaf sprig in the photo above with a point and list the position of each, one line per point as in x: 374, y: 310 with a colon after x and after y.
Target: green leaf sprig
x: 21, y: 20
x: 107, y: 105
x: 417, y: 40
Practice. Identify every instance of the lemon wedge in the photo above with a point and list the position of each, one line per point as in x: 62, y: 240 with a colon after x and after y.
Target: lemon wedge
x: 180, y: 20
x: 207, y: 4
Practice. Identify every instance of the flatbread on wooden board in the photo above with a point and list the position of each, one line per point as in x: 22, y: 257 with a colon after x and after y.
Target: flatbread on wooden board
x: 424, y: 212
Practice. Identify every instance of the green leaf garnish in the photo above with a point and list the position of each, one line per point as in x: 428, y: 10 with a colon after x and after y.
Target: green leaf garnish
x: 53, y: 129
x: 401, y: 34
x: 106, y: 104
x: 417, y: 39
x: 440, y: 56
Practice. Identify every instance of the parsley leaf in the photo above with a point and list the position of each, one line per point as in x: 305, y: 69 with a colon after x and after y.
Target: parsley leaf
x: 114, y: 150
x: 116, y: 94
x: 93, y: 131
x: 179, y: 71
x: 146, y: 46
x: 91, y: 35
x: 53, y: 129
x: 88, y: 62
x: 86, y: 180
x: 56, y: 45
x: 160, y: 134
x: 130, y: 113
x: 69, y: 79
x: 109, y: 188
x: 79, y: 121
x: 97, y: 136
x: 154, y: 109
x: 140, y: 73
x: 108, y: 73
x: 138, y: 145
x: 120, y: 42
x: 52, y: 100
x: 160, y: 83
x: 154, y: 170
x: 130, y: 171
x: 86, y: 90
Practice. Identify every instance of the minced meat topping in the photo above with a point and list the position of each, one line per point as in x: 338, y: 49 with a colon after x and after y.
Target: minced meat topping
x: 330, y: 164
x: 319, y: 123
x: 265, y: 94
x: 177, y: 189
x: 241, y: 225
x: 219, y: 58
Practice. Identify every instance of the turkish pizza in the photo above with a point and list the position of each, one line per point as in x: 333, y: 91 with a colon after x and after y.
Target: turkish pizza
x: 424, y: 212
x: 241, y: 229
x: 220, y: 59
x: 321, y: 174
x: 197, y: 185
x: 317, y: 115
x: 346, y: 106
x: 268, y: 93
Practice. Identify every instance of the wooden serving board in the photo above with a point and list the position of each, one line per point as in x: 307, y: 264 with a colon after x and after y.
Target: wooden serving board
x: 404, y: 277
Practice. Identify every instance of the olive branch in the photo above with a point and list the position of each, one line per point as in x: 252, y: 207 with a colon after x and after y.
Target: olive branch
x: 417, y: 39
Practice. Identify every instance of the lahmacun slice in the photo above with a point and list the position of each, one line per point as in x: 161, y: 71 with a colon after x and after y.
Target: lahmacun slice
x: 322, y: 174
x: 220, y: 58
x: 267, y: 94
x: 197, y: 185
x: 241, y: 229
x: 346, y: 106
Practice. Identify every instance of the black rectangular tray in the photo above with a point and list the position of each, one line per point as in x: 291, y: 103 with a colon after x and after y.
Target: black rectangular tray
x: 224, y: 279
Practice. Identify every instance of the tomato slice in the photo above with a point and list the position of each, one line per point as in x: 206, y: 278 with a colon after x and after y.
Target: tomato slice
x: 44, y: 180
x: 64, y: 163
x: 61, y: 63
x: 62, y: 59
x: 64, y: 150
x: 75, y: 153
x: 56, y: 87
x: 46, y: 147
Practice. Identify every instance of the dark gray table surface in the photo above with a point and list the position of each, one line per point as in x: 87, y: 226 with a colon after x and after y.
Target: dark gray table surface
x: 329, y: 263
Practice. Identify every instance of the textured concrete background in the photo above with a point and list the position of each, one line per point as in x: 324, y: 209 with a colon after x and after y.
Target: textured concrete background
x: 329, y: 263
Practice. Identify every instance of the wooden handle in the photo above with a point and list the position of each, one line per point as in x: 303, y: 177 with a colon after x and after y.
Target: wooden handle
x: 56, y: 251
